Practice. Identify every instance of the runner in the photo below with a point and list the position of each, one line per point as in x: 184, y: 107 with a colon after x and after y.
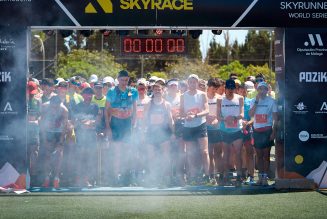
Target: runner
x: 214, y: 135
x: 120, y: 118
x: 194, y: 107
x: 159, y: 133
x: 85, y: 122
x: 100, y: 100
x: 178, y: 149
x: 47, y: 87
x: 53, y: 124
x: 248, y: 150
x: 231, y: 112
x: 108, y: 82
x: 139, y: 132
x: 264, y: 111
x: 33, y: 129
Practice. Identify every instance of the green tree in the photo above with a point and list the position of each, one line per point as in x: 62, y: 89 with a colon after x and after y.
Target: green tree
x: 184, y: 67
x: 84, y: 63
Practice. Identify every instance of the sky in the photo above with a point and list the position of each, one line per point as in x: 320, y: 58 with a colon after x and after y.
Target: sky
x: 207, y: 36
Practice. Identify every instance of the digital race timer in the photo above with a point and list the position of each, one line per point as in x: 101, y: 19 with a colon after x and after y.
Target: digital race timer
x: 152, y: 45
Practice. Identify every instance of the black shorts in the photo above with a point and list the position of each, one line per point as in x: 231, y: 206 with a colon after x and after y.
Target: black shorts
x: 121, y: 129
x: 179, y: 126
x: 53, y: 137
x: 214, y: 136
x: 262, y: 139
x: 230, y: 137
x: 193, y: 134
x: 158, y: 135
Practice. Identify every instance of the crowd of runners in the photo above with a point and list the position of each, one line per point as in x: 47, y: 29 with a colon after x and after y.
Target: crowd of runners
x: 153, y: 132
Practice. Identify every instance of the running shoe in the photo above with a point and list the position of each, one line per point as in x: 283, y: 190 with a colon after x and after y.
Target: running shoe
x: 250, y: 181
x: 46, y: 182
x: 56, y: 182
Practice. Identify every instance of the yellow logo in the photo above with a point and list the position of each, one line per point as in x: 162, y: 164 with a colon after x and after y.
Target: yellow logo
x: 106, y: 5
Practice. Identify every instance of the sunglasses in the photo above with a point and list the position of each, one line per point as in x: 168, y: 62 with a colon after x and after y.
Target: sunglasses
x: 141, y: 88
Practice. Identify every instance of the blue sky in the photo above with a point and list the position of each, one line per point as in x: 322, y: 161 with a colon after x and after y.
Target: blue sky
x: 207, y: 36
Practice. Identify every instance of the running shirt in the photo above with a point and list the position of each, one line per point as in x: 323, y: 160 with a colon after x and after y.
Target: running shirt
x: 122, y: 101
x: 140, y: 104
x: 101, y: 103
x: 86, y: 113
x: 263, y: 116
x: 212, y: 110
x: 54, y: 120
x: 175, y: 103
x: 231, y: 108
x: 194, y: 103
x: 158, y: 116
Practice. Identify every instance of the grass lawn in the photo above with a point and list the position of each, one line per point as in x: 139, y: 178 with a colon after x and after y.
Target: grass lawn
x: 84, y: 205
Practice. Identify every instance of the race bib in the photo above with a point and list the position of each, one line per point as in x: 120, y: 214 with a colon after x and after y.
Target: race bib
x: 233, y: 123
x: 194, y: 110
x: 156, y: 119
x: 261, y: 118
x: 175, y: 111
x: 139, y: 114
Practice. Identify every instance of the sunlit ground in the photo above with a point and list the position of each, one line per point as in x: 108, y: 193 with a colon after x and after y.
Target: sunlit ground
x: 165, y: 205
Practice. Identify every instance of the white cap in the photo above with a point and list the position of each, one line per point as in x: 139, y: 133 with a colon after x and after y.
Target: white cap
x: 36, y: 81
x: 249, y: 85
x: 161, y: 80
x: 172, y: 82
x: 59, y: 80
x: 193, y: 76
x: 108, y: 79
x: 153, y: 78
x: 93, y: 78
x: 141, y: 81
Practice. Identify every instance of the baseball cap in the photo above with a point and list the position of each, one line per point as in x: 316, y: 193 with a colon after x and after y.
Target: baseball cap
x: 58, y: 80
x: 62, y: 84
x: 193, y: 76
x: 141, y: 81
x: 108, y: 79
x: 93, y: 78
x: 87, y: 90
x: 98, y: 85
x: 84, y: 85
x: 230, y: 84
x: 161, y: 81
x: 249, y: 85
x: 237, y: 81
x: 262, y: 84
x: 32, y: 87
x: 173, y: 81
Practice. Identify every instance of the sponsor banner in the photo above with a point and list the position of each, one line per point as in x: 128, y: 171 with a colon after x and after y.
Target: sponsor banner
x: 305, y: 102
x: 13, y: 69
x: 214, y: 13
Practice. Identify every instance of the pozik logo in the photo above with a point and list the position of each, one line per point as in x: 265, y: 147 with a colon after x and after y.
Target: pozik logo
x: 106, y: 6
x: 313, y: 39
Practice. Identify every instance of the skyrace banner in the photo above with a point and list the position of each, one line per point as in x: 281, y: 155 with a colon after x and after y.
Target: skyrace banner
x: 13, y: 70
x: 306, y: 99
x: 170, y: 13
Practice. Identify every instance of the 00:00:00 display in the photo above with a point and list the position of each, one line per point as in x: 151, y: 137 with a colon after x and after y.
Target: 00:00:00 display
x: 154, y: 45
